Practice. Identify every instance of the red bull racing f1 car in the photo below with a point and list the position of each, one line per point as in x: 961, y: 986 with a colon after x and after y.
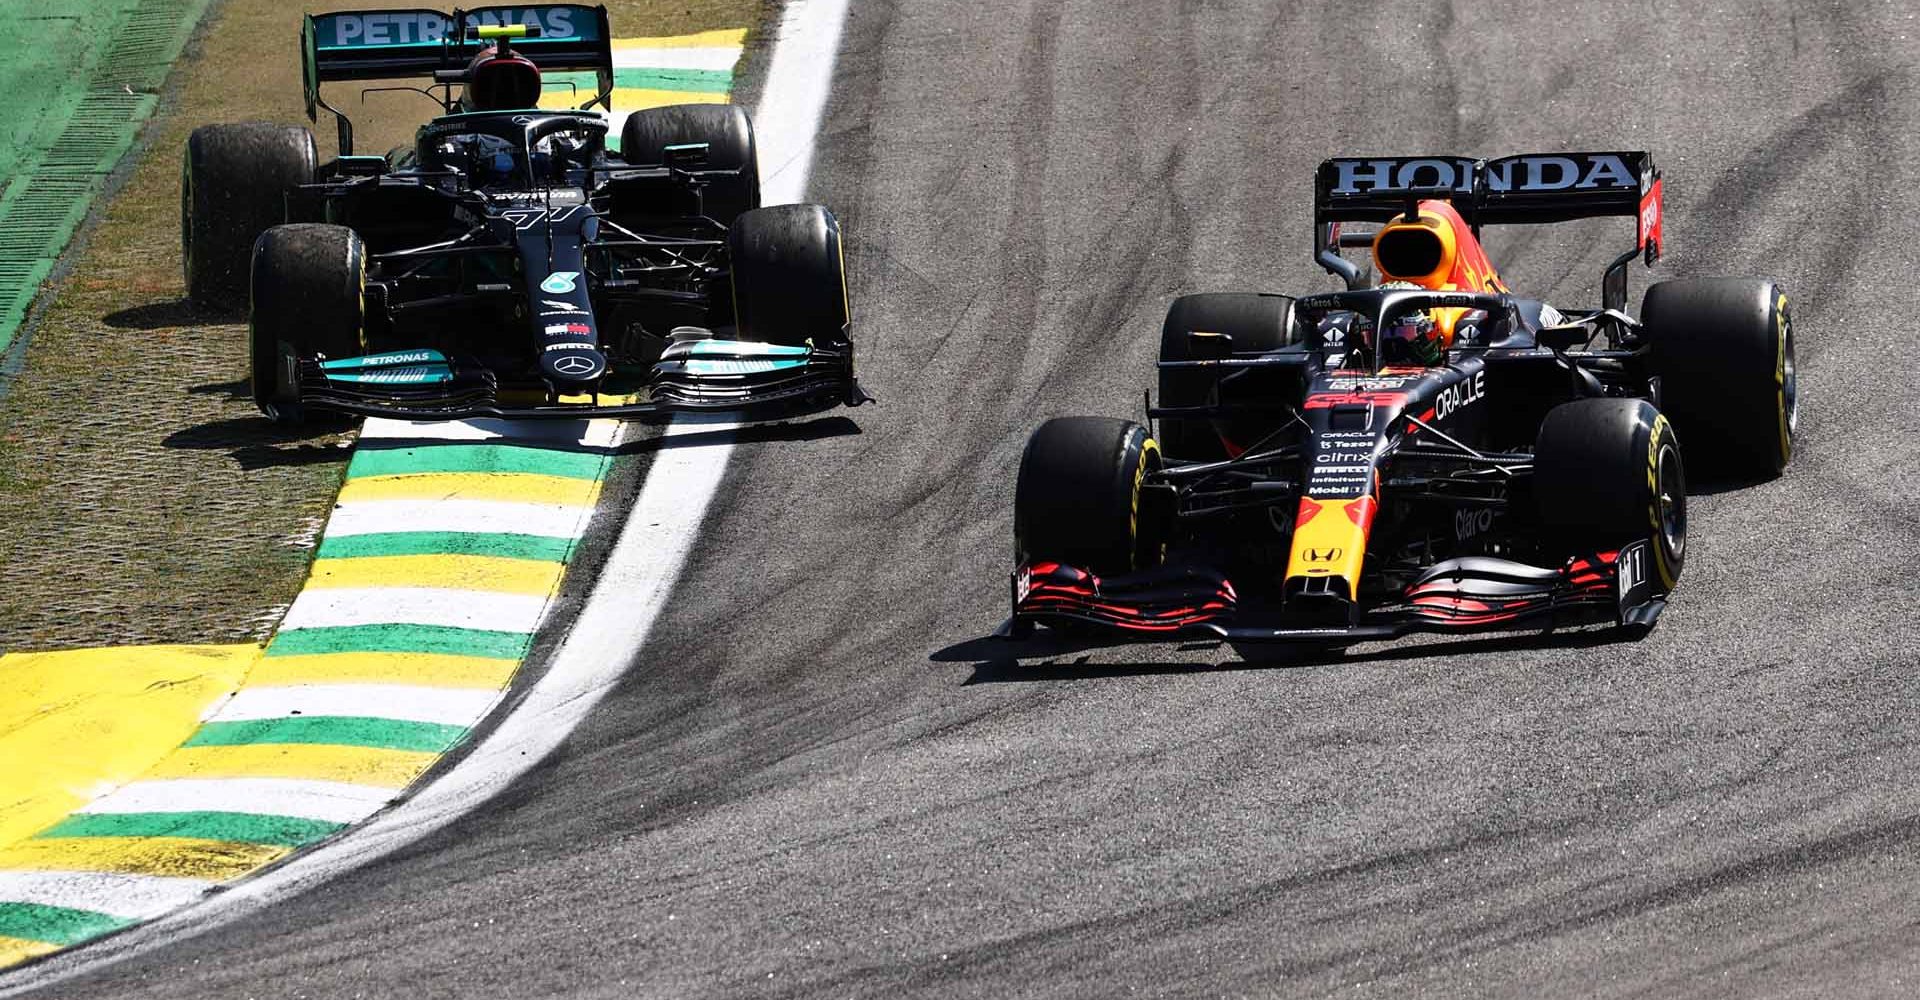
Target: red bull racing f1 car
x: 1429, y: 453
x: 508, y: 263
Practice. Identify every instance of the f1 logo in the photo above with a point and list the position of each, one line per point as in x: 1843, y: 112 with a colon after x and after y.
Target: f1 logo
x: 1321, y: 555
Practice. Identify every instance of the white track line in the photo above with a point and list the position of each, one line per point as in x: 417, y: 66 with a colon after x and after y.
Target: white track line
x: 129, y: 897
x: 618, y: 614
x: 412, y: 703
x: 328, y: 607
x: 331, y: 801
x: 374, y: 517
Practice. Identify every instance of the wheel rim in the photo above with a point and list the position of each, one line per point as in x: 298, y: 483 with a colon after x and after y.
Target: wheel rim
x: 1789, y: 383
x: 1670, y: 502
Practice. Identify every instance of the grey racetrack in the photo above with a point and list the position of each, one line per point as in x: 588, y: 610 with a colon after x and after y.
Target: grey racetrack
x: 821, y: 779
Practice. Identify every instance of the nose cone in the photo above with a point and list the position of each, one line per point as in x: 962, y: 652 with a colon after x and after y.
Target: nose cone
x: 573, y: 363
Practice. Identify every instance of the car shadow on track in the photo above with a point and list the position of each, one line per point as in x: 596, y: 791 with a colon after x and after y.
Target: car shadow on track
x: 1056, y: 657
x: 254, y: 442
x: 160, y: 315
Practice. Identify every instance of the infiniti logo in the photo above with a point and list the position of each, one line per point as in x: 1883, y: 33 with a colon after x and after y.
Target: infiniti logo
x: 575, y: 364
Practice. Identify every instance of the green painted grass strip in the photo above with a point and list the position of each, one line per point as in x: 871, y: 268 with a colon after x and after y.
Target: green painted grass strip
x: 474, y: 458
x: 698, y: 81
x: 447, y: 543
x: 331, y: 730
x: 55, y: 924
x: 235, y: 827
x: 401, y: 639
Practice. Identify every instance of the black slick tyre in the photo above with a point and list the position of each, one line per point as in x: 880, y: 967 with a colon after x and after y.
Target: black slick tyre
x: 1252, y: 322
x: 789, y: 275
x: 1724, y: 352
x: 308, y: 299
x: 233, y: 185
x: 1078, y: 497
x: 1608, y: 473
x: 728, y: 134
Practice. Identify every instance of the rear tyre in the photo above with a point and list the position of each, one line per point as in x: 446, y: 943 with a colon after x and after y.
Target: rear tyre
x: 789, y: 275
x: 728, y: 134
x: 1254, y: 321
x: 1078, y: 498
x: 1607, y: 473
x: 1724, y: 352
x: 233, y: 184
x: 309, y: 286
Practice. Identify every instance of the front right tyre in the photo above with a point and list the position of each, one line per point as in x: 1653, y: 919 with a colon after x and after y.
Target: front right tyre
x: 1608, y: 473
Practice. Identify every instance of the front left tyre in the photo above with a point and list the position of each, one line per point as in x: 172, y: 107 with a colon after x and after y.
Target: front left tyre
x: 309, y: 299
x: 1078, y: 497
x: 233, y: 185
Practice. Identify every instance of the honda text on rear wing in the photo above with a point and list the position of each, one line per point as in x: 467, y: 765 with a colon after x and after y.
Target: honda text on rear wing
x: 413, y: 43
x: 1526, y: 189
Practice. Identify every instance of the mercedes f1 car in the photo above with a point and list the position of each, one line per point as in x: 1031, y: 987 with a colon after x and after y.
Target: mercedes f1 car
x: 1434, y: 453
x: 508, y: 263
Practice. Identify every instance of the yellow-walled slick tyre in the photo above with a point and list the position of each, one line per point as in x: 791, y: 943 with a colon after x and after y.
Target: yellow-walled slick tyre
x: 1248, y: 321
x: 1724, y: 352
x: 1607, y: 473
x: 728, y: 134
x: 1078, y: 497
x: 789, y: 275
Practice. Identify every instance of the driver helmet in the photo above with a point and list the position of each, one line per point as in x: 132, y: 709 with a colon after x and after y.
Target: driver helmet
x: 498, y: 82
x: 1412, y: 336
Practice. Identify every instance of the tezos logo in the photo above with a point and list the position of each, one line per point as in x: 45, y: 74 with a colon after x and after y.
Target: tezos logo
x: 559, y: 282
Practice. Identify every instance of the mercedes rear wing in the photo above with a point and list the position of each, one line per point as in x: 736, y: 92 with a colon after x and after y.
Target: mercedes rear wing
x: 1526, y: 189
x: 413, y: 43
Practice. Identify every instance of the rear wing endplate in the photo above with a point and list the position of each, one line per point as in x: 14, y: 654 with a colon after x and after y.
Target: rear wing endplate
x: 414, y: 42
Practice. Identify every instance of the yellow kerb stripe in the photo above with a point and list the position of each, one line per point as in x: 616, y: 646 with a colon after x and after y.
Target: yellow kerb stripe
x: 14, y: 950
x: 642, y: 98
x: 453, y: 572
x: 182, y: 857
x: 317, y: 762
x: 507, y: 487
x: 424, y: 669
x: 702, y: 40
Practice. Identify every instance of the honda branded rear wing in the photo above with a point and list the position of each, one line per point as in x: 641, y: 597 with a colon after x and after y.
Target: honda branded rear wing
x: 1525, y: 189
x: 411, y: 43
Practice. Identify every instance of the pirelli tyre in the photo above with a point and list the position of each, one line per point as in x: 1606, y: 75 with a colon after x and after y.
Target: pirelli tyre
x: 1724, y: 352
x: 233, y: 185
x: 1608, y: 473
x: 728, y: 134
x: 309, y: 284
x: 789, y: 275
x: 1078, y: 497
x: 1224, y: 321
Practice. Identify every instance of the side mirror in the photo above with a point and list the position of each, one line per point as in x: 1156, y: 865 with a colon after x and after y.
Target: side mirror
x: 686, y: 156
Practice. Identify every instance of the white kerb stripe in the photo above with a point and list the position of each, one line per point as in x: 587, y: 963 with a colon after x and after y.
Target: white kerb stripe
x: 415, y: 606
x: 328, y: 801
x: 533, y: 433
x: 451, y: 706
x: 129, y: 897
x: 487, y: 517
x: 719, y: 57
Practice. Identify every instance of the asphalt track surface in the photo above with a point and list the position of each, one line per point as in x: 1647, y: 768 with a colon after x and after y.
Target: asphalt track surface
x: 821, y: 780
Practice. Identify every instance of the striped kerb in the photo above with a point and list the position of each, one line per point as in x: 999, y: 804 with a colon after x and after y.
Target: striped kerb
x: 446, y: 544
